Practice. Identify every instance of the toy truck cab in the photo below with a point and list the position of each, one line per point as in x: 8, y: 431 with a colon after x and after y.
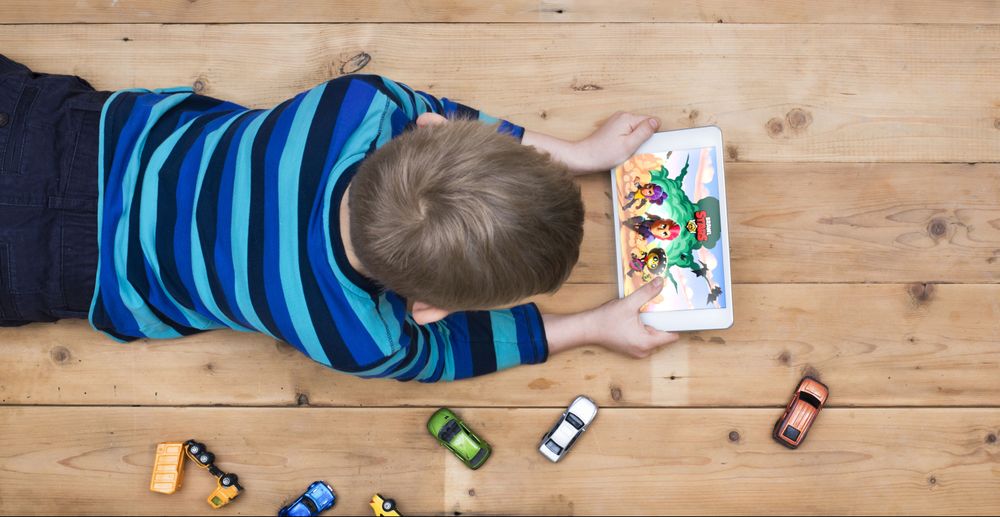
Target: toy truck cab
x: 383, y: 507
x: 807, y: 401
x: 228, y: 486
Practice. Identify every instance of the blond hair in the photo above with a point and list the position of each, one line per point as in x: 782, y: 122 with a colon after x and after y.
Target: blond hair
x: 461, y: 217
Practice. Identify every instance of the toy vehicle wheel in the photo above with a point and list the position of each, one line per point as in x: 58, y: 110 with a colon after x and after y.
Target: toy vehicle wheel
x: 228, y: 480
x: 195, y: 448
x: 389, y: 505
x: 206, y: 458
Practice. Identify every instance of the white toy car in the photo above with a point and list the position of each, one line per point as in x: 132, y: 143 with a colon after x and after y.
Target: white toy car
x: 570, y: 426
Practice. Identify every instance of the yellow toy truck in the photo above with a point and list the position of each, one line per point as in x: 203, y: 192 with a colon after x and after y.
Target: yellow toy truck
x: 168, y: 471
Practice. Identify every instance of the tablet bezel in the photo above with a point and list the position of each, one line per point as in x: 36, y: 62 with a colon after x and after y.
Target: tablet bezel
x: 693, y: 319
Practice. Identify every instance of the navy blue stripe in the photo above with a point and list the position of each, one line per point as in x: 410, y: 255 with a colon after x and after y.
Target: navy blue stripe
x: 255, y: 244
x: 481, y: 347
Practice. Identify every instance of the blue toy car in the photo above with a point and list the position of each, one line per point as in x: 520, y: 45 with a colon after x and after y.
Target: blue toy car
x: 319, y: 497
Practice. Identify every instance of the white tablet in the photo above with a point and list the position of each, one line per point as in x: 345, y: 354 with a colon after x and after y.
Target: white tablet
x: 670, y: 221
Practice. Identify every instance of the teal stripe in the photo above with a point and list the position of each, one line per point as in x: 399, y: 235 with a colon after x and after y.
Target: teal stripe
x: 289, y: 171
x: 241, y: 224
x: 147, y: 224
x: 149, y: 324
x: 505, y: 339
x: 198, y: 268
x: 404, y: 99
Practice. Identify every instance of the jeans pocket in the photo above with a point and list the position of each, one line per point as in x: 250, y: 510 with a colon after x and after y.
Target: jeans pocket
x: 16, y: 101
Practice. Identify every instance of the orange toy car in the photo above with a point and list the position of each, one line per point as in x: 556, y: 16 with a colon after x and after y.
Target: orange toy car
x: 801, y: 412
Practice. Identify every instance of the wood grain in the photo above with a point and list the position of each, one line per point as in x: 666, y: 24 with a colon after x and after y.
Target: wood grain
x: 313, y: 11
x: 839, y: 223
x: 868, y: 461
x: 875, y: 345
x: 785, y: 93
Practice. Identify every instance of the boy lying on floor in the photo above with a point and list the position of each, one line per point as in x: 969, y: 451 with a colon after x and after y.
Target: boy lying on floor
x: 373, y: 227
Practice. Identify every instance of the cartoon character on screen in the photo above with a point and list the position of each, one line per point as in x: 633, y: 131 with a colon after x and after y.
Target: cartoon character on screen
x: 648, y: 263
x: 654, y: 227
x: 648, y: 193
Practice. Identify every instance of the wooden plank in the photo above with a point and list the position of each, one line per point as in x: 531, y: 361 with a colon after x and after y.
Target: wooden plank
x: 839, y: 223
x: 313, y: 11
x: 865, y: 461
x: 789, y: 93
x: 875, y: 345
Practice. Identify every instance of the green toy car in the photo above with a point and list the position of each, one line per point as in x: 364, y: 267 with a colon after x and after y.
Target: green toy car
x: 453, y: 434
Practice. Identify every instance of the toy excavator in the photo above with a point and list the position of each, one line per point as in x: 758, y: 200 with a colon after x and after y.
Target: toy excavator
x: 168, y: 471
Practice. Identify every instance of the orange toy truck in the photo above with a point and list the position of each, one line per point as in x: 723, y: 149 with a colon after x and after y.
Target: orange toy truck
x: 801, y: 412
x: 168, y: 471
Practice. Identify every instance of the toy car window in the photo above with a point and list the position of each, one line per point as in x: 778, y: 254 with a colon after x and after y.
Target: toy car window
x: 791, y: 433
x: 574, y: 420
x: 309, y: 504
x: 449, y: 431
x: 554, y: 447
x: 808, y: 398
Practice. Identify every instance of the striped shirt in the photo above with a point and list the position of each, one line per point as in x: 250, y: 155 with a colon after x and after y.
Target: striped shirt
x: 215, y: 216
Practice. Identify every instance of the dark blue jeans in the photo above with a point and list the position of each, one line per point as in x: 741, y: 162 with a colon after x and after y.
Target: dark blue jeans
x: 49, y: 135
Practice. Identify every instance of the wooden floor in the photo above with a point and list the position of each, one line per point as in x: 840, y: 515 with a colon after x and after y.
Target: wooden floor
x: 863, y: 148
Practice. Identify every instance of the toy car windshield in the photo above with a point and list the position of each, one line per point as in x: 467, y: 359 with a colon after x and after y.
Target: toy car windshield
x: 449, y: 431
x: 574, y: 420
x: 808, y: 398
x: 554, y: 447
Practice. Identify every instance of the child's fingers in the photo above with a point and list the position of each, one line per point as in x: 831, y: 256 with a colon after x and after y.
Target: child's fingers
x: 645, y: 294
x: 642, y: 130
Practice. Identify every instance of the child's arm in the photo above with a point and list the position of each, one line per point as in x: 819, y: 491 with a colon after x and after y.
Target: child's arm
x: 611, y: 144
x: 614, y: 325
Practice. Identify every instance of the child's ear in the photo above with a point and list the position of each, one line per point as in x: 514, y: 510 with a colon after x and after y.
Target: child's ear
x: 424, y: 313
x: 430, y: 119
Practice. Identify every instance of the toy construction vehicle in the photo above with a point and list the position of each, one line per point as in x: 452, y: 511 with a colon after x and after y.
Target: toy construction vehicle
x: 168, y: 471
x: 382, y: 506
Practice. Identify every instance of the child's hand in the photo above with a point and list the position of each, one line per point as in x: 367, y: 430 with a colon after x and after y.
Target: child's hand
x: 616, y: 140
x: 614, y: 325
x: 620, y: 328
x: 613, y: 143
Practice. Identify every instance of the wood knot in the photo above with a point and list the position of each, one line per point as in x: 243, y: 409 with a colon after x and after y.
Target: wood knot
x: 210, y: 367
x: 733, y: 152
x: 302, y: 399
x: 355, y: 63
x: 920, y: 293
x: 774, y: 127
x: 785, y: 358
x: 693, y: 115
x: 937, y: 228
x: 126, y: 39
x: 472, y: 492
x: 199, y: 85
x: 616, y: 393
x: 996, y: 123
x: 991, y: 438
x: 798, y: 119
x: 589, y: 87
x: 734, y: 436
x: 60, y: 354
x: 544, y: 114
x: 932, y: 481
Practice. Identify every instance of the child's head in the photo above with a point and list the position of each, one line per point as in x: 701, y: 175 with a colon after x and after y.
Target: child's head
x: 459, y: 217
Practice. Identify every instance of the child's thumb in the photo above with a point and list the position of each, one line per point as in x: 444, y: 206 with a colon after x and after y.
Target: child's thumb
x: 646, y: 293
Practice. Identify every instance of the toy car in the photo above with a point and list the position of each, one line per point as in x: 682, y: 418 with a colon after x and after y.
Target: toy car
x: 228, y: 486
x: 168, y: 468
x: 318, y: 498
x: 801, y: 412
x: 382, y: 506
x: 568, y: 428
x: 453, y: 434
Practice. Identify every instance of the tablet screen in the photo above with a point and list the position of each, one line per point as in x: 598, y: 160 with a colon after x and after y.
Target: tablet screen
x: 672, y: 227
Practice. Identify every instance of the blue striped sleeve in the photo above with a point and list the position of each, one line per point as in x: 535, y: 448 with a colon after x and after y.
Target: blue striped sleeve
x: 462, y: 345
x: 414, y: 103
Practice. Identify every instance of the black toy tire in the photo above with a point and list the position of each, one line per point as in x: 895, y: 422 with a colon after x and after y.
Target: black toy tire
x: 228, y: 480
x: 206, y: 458
x: 389, y: 505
